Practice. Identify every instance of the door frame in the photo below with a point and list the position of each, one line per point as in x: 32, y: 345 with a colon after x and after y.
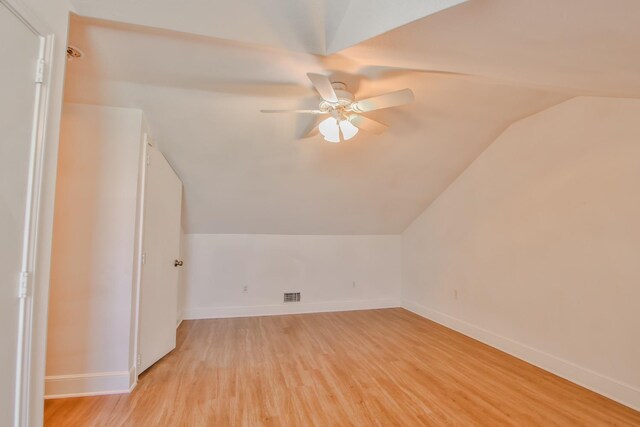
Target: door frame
x: 144, y: 163
x: 28, y: 335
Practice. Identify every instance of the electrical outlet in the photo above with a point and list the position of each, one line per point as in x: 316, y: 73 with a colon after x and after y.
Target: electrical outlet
x: 245, y: 289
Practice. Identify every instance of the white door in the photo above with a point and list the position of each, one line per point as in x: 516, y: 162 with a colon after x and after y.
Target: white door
x: 20, y: 51
x: 161, y: 250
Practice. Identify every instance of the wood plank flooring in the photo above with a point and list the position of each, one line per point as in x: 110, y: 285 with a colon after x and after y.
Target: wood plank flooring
x: 361, y: 368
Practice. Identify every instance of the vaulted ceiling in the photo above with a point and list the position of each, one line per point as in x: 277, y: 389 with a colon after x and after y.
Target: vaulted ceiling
x: 202, y: 73
x: 313, y: 26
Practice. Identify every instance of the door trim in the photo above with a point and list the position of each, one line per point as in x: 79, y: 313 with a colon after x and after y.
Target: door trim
x: 139, y: 255
x: 26, y: 333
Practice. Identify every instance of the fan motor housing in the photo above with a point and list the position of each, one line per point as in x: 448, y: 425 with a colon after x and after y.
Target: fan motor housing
x: 345, y: 98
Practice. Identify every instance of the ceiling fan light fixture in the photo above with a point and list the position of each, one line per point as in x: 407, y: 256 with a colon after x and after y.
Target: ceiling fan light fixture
x: 345, y: 112
x: 336, y: 130
x: 348, y: 129
x: 329, y: 129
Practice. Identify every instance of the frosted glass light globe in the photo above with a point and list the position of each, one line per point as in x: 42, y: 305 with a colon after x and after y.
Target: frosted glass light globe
x: 348, y: 129
x: 330, y: 130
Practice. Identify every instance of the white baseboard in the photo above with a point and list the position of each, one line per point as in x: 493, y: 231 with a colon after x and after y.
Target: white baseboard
x: 288, y: 308
x: 93, y: 384
x: 601, y: 384
x: 180, y: 318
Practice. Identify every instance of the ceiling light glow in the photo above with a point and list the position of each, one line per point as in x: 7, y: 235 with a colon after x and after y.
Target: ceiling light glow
x: 329, y: 129
x: 332, y: 128
x: 348, y: 129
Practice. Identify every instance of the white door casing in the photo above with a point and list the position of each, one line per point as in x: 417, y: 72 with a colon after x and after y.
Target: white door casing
x: 23, y: 95
x: 160, y: 248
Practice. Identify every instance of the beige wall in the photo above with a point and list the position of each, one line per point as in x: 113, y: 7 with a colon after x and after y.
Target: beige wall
x: 93, y: 267
x: 535, y: 248
x: 331, y: 273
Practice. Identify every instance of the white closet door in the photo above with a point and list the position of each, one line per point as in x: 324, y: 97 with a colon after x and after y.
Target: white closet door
x: 161, y: 248
x: 19, y: 54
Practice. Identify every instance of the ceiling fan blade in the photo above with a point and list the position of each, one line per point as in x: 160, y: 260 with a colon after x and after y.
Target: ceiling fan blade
x: 391, y: 99
x: 367, y: 124
x: 294, y: 111
x: 323, y: 86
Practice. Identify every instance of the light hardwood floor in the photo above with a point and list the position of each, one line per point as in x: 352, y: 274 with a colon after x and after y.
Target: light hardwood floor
x: 361, y: 368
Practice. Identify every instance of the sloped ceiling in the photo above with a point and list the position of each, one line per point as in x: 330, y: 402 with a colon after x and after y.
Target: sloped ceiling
x: 579, y: 46
x: 314, y: 26
x: 247, y: 172
x: 349, y: 22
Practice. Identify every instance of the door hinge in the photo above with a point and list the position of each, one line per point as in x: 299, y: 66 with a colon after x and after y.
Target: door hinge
x: 138, y: 361
x: 40, y: 71
x: 148, y: 159
x: 144, y: 257
x: 24, y: 283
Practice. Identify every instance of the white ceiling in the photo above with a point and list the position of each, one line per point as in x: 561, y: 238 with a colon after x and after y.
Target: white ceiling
x: 246, y: 172
x: 315, y: 26
x: 580, y: 46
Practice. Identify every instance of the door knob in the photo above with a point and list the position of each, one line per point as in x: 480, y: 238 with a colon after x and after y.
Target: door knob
x: 177, y: 263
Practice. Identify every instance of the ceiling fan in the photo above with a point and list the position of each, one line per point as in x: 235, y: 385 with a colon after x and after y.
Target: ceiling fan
x: 345, y: 112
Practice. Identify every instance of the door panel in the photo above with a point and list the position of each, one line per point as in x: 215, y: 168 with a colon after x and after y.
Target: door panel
x: 17, y: 108
x: 161, y: 247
